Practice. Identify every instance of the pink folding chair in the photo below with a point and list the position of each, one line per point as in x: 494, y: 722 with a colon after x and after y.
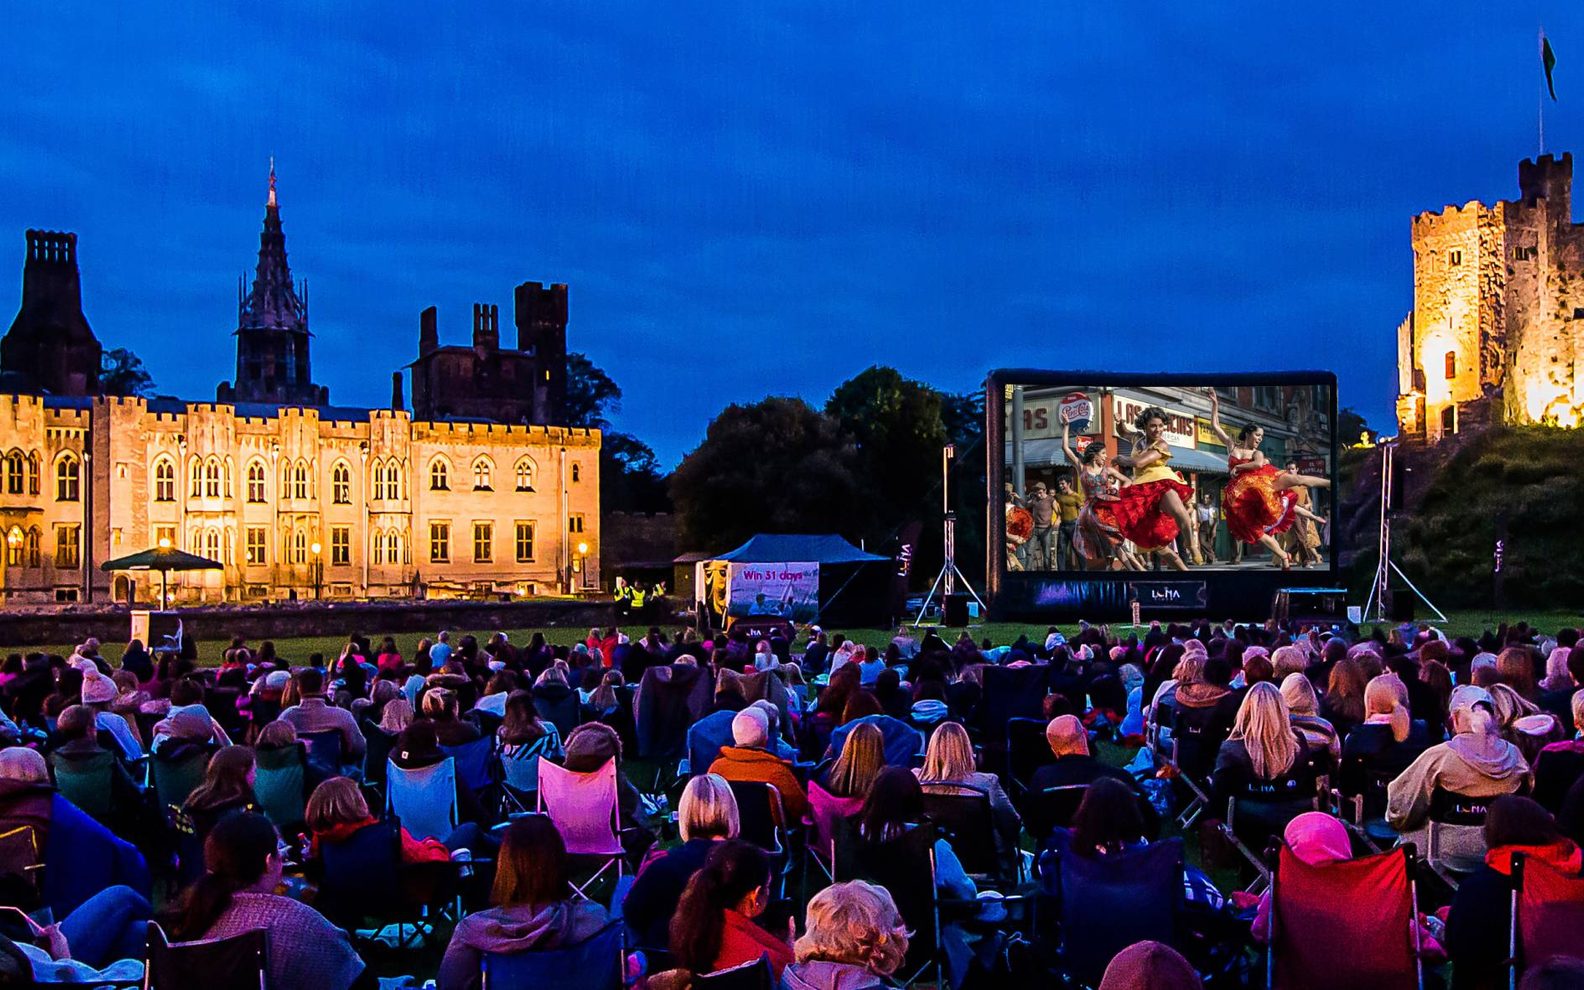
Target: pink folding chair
x: 824, y: 819
x: 584, y: 809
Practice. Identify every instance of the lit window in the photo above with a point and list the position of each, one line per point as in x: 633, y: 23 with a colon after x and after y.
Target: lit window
x: 15, y: 476
x: 1451, y: 365
x: 14, y: 547
x: 164, y: 480
x: 255, y: 482
x: 212, y: 478
x: 525, y: 475
x: 341, y: 484
x: 257, y: 539
x: 525, y: 542
x: 68, y: 546
x: 340, y: 545
x: 300, y: 480
x: 439, y: 542
x: 68, y: 479
x: 481, y: 475
x: 32, y: 545
x: 483, y: 542
x: 379, y: 548
x: 212, y: 544
x: 393, y: 548
x: 438, y: 473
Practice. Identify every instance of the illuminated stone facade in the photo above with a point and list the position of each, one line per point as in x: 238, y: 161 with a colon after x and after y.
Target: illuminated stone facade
x: 1498, y: 317
x: 297, y: 499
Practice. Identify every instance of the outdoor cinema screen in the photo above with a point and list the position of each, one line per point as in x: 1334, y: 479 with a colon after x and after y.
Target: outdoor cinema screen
x: 1167, y: 473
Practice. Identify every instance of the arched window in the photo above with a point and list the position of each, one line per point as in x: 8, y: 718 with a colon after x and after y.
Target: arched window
x: 226, y: 467
x: 482, y: 469
x: 164, y: 480
x: 395, y: 478
x: 439, y: 475
x: 393, y: 547
x: 1451, y: 365
x: 212, y: 544
x: 577, y: 473
x: 379, y: 548
x: 255, y: 482
x: 68, y: 479
x: 15, y: 473
x: 32, y: 546
x: 524, y: 472
x: 212, y: 477
x: 13, y: 543
x: 341, y: 484
x: 195, y: 479
x: 300, y: 480
x: 33, y: 474
x: 299, y: 547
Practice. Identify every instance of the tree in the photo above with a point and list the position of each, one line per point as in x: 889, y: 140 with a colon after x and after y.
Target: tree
x: 630, y: 476
x: 591, y: 395
x: 122, y: 373
x: 897, y: 427
x: 777, y: 465
x: 1351, y: 426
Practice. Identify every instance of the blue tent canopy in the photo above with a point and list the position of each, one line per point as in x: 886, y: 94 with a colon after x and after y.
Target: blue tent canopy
x: 770, y: 548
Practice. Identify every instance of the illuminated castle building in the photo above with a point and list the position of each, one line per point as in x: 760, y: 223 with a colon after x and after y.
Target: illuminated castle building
x: 296, y: 498
x: 1497, y: 328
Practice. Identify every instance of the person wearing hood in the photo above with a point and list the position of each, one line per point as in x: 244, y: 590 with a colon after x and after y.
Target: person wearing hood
x: 1476, y: 762
x: 854, y: 940
x: 136, y: 660
x: 1478, y: 921
x: 99, y: 692
x: 532, y: 911
x: 1318, y: 839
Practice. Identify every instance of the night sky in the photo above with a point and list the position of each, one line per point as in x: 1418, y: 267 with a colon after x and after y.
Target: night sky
x: 750, y: 199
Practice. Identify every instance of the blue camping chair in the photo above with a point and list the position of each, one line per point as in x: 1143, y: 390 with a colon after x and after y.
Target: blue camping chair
x: 473, y: 763
x: 424, y: 800
x: 363, y: 880
x: 593, y: 964
x: 903, y: 743
x: 324, y: 751
x: 705, y: 740
x: 1110, y: 902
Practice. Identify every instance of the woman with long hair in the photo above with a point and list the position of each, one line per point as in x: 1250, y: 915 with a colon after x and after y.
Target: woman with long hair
x: 949, y: 768
x: 1383, y: 746
x: 226, y: 789
x: 859, y: 763
x: 714, y: 925
x: 1343, y: 704
x: 440, y: 706
x: 1265, y: 764
x: 1153, y: 510
x: 1096, y: 536
x: 854, y: 939
x: 1304, y: 706
x: 236, y: 895
x: 1261, y: 500
x: 533, y: 911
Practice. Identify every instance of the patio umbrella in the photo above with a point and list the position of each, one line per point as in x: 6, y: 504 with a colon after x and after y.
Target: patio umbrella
x: 164, y: 560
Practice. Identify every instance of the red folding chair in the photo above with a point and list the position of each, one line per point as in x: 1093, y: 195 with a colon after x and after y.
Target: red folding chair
x: 584, y: 809
x: 1547, y: 915
x: 1347, y: 924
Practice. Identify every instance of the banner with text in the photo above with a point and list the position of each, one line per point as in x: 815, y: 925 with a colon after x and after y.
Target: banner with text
x: 790, y: 590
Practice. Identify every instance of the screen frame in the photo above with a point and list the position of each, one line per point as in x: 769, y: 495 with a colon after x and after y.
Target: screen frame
x: 1011, y: 593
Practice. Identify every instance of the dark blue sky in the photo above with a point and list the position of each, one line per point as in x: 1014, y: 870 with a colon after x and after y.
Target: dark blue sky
x: 752, y: 199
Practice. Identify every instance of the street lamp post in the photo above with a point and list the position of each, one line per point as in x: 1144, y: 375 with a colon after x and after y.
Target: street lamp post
x: 582, y: 564
x: 164, y: 580
x: 318, y: 569
x: 14, y: 542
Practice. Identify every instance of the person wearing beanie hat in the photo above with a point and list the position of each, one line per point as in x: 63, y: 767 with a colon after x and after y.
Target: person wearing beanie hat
x: 1150, y: 966
x: 1476, y: 762
x: 98, y: 693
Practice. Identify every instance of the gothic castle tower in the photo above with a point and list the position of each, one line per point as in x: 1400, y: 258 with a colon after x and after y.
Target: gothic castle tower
x: 272, y: 328
x: 50, y: 347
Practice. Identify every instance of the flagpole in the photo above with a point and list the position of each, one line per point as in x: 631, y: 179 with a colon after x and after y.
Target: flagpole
x: 1540, y: 93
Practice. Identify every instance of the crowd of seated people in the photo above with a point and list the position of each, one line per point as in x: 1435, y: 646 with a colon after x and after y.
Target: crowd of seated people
x: 842, y: 814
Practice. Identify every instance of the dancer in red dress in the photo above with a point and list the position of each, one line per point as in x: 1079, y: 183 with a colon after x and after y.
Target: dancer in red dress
x: 1261, y: 500
x: 1096, y: 537
x: 1154, y: 509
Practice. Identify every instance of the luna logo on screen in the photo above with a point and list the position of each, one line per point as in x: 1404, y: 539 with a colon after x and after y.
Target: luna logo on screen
x: 1143, y: 478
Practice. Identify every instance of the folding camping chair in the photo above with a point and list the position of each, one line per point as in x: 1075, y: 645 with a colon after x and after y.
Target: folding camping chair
x: 1110, y: 902
x: 905, y: 866
x: 762, y: 822
x: 904, y: 745
x: 324, y: 750
x: 1448, y: 809
x: 235, y: 963
x: 362, y: 879
x: 1027, y: 750
x: 1197, y: 735
x: 826, y: 816
x: 473, y: 763
x: 1368, y: 905
x: 87, y: 784
x: 596, y: 963
x: 963, y: 815
x: 281, y: 784
x: 585, y: 810
x: 1547, y: 915
x: 565, y: 714
x: 756, y: 975
x: 175, y: 779
x: 22, y: 864
x: 424, y: 800
x: 1051, y: 808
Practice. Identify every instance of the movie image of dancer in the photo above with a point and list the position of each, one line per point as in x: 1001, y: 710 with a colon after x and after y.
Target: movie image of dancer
x: 1303, y: 540
x: 1019, y: 527
x: 1096, y: 538
x: 1260, y: 500
x: 1154, y: 509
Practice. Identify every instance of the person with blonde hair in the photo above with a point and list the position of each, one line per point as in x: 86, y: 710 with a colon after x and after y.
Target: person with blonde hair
x: 1264, y: 764
x: 1304, y: 706
x: 861, y: 759
x: 1382, y: 747
x: 853, y: 940
x: 949, y: 768
x: 440, y: 706
x: 706, y: 815
x: 1476, y: 762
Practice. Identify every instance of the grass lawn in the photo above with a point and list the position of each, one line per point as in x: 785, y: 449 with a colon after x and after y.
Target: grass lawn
x: 1468, y: 622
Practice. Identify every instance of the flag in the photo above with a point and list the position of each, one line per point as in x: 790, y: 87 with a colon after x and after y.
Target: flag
x: 1548, y: 60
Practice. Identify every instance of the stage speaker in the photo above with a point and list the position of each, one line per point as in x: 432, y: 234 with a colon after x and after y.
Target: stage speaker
x: 1402, y: 606
x: 956, y: 613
